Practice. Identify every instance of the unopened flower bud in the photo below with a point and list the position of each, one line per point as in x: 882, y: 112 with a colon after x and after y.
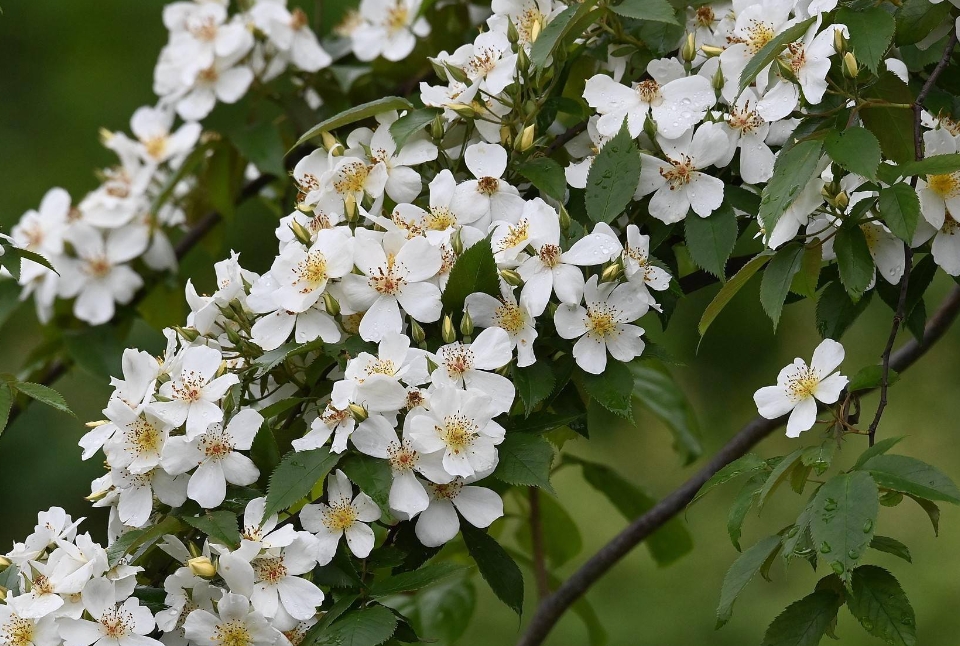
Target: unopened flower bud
x: 850, y: 66
x: 350, y: 208
x: 188, y: 333
x: 464, y: 110
x: 105, y: 136
x: 710, y: 50
x: 564, y: 218
x: 417, y: 333
x: 431, y: 365
x: 301, y: 233
x: 689, y: 50
x: 436, y: 128
x: 839, y: 41
x: 611, y: 272
x: 718, y: 79
x: 3, y: 593
x: 233, y: 337
x: 439, y: 69
x: 456, y: 242
x: 202, y: 567
x: 330, y: 142
x: 506, y: 135
x: 97, y: 495
x: 466, y: 324
x: 359, y: 412
x: 457, y: 74
x: 512, y: 34
x: 96, y: 423
x: 841, y: 200
x: 4, y: 562
x: 331, y: 304
x: 511, y: 277
x: 303, y: 207
x: 786, y: 71
x: 526, y: 137
x: 650, y: 128
x: 447, y: 331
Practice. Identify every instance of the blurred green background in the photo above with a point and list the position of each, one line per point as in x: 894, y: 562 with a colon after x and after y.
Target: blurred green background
x: 68, y: 68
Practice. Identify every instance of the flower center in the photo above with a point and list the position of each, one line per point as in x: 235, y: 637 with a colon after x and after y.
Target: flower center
x: 457, y: 432
x: 648, y: 91
x: 351, y: 176
x: 144, y: 437
x: 397, y: 17
x: 381, y: 367
x: 332, y: 417
x: 441, y: 218
x: 339, y: 516
x: 387, y: 281
x: 510, y: 317
x: 550, y: 255
x: 298, y: 19
x: 488, y: 185
x: 759, y: 33
x: 312, y: 270
x: 402, y: 457
x: 190, y: 387
x: 232, y: 633
x: 216, y: 445
x: 447, y: 491
x: 705, y: 16
x: 42, y: 585
x: 116, y: 623
x: 482, y: 62
x: 680, y: 174
x: 458, y: 359
x: 517, y: 235
x: 802, y: 383
x: 946, y: 186
x: 209, y: 75
x: 270, y: 570
x: 156, y: 146
x: 98, y: 267
x: 797, y: 56
x: 17, y: 631
x: 602, y: 320
x: 744, y: 119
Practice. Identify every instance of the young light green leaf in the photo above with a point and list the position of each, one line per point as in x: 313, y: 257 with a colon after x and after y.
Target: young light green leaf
x: 804, y: 622
x: 729, y: 290
x: 881, y: 606
x: 612, y: 388
x: 854, y: 260
x: 496, y: 567
x: 613, y: 178
x: 295, y: 476
x: 792, y: 171
x: 219, y: 525
x: 900, y: 209
x: 710, y: 240
x: 657, y: 391
x: 410, y: 123
x: 369, y: 626
x: 354, y: 114
x: 652, y: 10
x: 771, y: 50
x: 777, y: 278
x: 890, y: 546
x: 474, y: 271
x: 44, y: 395
x: 740, y: 574
x: 871, y: 31
x: 525, y: 459
x: 855, y: 149
x: 748, y: 464
x: 912, y: 476
x: 845, y: 513
x: 546, y: 175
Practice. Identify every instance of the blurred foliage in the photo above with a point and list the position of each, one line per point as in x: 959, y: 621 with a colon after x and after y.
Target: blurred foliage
x: 72, y: 67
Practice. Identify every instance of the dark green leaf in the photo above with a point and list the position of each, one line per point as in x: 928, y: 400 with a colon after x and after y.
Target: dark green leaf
x: 410, y: 581
x: 295, y: 476
x: 879, y: 448
x: 474, y: 271
x: 855, y: 149
x: 890, y: 546
x: 881, y: 606
x: 443, y: 611
x: 792, y: 171
x: 331, y: 614
x: 798, y: 540
x: 613, y: 178
x: 804, y: 622
x: 933, y: 165
x: 777, y: 278
x: 6, y: 403
x: 261, y: 144
x: 741, y: 505
x: 729, y: 290
x: 778, y: 475
x: 139, y: 538
x: 871, y: 377
x: 525, y: 459
x: 892, y: 126
x: 559, y: 27
x: 912, y: 476
x: 95, y: 349
x: 497, y: 568
x: 871, y: 31
x: 612, y: 388
x: 805, y: 281
x: 854, y: 260
x: 534, y: 384
x: 561, y: 537
x: 745, y: 465
x: 900, y: 209
x: 836, y: 311
x: 372, y: 475
x: 710, y: 240
x: 844, y: 519
x: 657, y: 391
x: 740, y: 573
x: 652, y: 10
x: 410, y: 123
x: 219, y: 525
x: 932, y: 511
x: 916, y: 19
x: 770, y: 51
x: 44, y: 395
x: 354, y: 114
x: 546, y: 175
x: 365, y: 627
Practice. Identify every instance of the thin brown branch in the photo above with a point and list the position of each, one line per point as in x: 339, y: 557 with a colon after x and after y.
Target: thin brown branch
x: 553, y: 607
x: 565, y: 136
x: 536, y: 541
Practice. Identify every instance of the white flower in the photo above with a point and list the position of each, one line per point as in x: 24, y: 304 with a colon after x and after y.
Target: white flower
x: 21, y: 631
x: 273, y: 329
x: 674, y: 101
x: 604, y: 324
x: 469, y: 366
x: 939, y: 194
x: 289, y: 31
x: 235, y: 623
x: 336, y: 422
x: 157, y: 144
x: 636, y: 262
x: 439, y: 523
x: 374, y: 382
x: 487, y: 198
x: 41, y: 231
x: 302, y: 274
x: 748, y: 132
x: 488, y: 62
x: 126, y: 624
x: 342, y: 515
x: 403, y: 183
x: 138, y: 444
x: 215, y: 454
x: 138, y: 490
x: 264, y: 531
x: 505, y: 312
x: 757, y: 24
x: 223, y: 80
x: 395, y: 273
x: 678, y: 184
x: 389, y: 28
x: 460, y: 425
x: 799, y: 387
x: 185, y: 591
x: 194, y: 390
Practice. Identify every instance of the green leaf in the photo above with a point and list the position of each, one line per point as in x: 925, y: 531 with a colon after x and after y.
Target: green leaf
x: 871, y: 377
x: 890, y: 546
x: 740, y: 573
x: 97, y: 350
x: 496, y: 567
x: 741, y: 505
x: 295, y: 476
x: 879, y: 448
x: 474, y: 271
x: 668, y: 543
x: 44, y: 395
x: 354, y: 114
x: 441, y: 612
x: 729, y: 290
x: 855, y: 149
x: 372, y: 475
x: 844, y: 519
x: 612, y: 388
x: 141, y: 538
x: 806, y: 280
x: 546, y: 175
x: 916, y: 19
x: 745, y: 465
x: 770, y: 51
x: 798, y: 539
x: 558, y: 28
x: 525, y: 459
x: 219, y: 525
x: 561, y: 536
x: 365, y: 627
x: 912, y: 476
x: 261, y: 144
x: 6, y: 404
x: 410, y: 581
x: 652, y: 10
x: 411, y: 123
x: 657, y: 391
x: 534, y: 384
x: 871, y: 31
x: 26, y: 254
x: 836, y: 311
x: 777, y: 278
x: 900, y: 208
x: 710, y: 240
x: 778, y: 475
x: 792, y: 171
x: 893, y: 127
x: 881, y: 606
x: 853, y: 259
x: 331, y: 614
x: 804, y: 622
x: 9, y: 300
x: 933, y: 165
x: 613, y: 178
x: 932, y: 511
